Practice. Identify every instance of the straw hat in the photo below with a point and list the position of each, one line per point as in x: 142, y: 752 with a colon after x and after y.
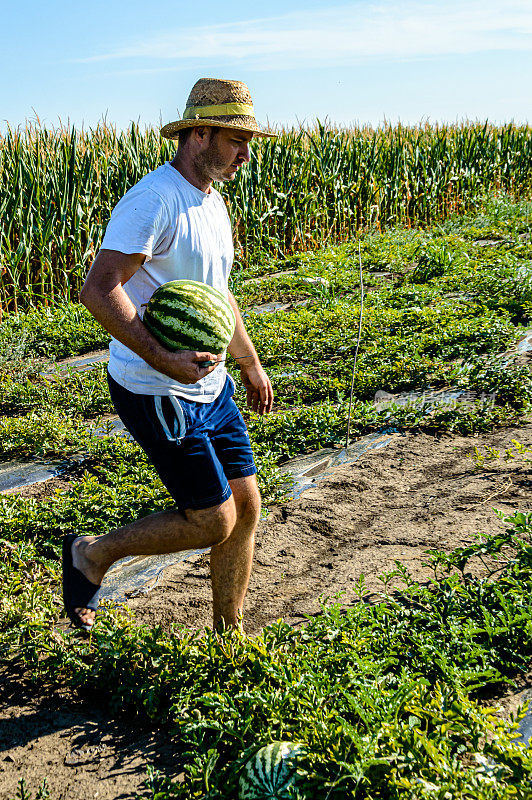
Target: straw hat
x: 224, y: 104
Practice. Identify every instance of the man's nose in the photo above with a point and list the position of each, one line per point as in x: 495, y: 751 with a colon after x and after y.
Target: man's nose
x: 244, y: 152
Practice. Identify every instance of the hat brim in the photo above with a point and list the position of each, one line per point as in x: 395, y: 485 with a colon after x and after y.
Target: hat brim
x: 171, y: 130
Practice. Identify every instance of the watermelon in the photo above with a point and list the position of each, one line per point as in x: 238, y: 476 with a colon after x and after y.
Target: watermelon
x: 189, y: 315
x: 271, y: 773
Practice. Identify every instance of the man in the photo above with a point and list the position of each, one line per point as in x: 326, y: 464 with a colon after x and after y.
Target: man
x: 177, y: 405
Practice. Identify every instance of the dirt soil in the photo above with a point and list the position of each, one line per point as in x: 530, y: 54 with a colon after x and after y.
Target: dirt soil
x: 392, y: 504
x: 418, y: 493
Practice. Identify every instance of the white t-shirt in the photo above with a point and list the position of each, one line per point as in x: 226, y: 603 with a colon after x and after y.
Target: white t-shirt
x: 185, y: 234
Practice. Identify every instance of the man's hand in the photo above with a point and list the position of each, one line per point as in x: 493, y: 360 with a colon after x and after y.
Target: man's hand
x: 259, y: 388
x: 260, y: 392
x: 184, y: 365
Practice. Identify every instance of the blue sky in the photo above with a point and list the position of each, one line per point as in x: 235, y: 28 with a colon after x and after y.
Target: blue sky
x: 347, y: 62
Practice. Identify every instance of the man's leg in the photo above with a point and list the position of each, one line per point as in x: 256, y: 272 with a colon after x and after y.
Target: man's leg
x: 164, y: 532
x: 231, y: 560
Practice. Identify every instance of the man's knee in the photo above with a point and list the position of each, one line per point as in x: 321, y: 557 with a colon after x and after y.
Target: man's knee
x: 247, y: 500
x: 215, y: 523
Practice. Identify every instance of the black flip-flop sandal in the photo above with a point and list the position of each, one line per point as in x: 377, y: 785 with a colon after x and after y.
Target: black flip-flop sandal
x: 78, y: 591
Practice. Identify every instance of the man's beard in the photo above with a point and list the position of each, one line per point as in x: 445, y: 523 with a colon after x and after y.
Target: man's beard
x: 211, y: 164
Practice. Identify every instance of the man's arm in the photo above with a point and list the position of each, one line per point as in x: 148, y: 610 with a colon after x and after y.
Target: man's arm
x: 257, y: 383
x: 105, y: 298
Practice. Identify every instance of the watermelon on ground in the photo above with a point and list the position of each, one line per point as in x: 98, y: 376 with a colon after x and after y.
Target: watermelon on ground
x: 271, y: 774
x: 189, y: 315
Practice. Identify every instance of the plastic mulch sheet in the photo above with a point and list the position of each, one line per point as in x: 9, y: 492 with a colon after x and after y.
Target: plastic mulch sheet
x: 525, y: 726
x: 524, y: 345
x: 76, y: 363
x: 17, y: 474
x: 308, y: 470
x: 137, y: 575
x: 140, y: 574
x: 267, y: 308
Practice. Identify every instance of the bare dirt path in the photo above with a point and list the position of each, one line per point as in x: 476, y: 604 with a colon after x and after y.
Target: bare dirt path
x: 80, y: 751
x: 418, y: 493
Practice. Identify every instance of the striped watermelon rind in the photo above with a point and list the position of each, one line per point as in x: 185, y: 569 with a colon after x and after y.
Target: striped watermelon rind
x: 189, y: 315
x: 271, y: 774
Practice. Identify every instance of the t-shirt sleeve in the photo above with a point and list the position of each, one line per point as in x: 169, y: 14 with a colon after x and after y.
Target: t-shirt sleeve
x: 139, y: 224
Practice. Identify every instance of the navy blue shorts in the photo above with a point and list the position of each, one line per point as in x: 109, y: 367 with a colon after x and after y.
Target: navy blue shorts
x: 196, y: 448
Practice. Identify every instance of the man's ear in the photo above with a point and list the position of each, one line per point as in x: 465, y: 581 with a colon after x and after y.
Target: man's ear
x: 201, y: 133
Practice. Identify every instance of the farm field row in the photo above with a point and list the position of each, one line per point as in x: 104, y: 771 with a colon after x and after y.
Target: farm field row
x: 303, y: 190
x: 439, y: 308
x: 384, y: 696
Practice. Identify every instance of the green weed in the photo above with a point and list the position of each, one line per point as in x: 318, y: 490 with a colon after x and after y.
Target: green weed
x: 383, y: 695
x: 23, y: 793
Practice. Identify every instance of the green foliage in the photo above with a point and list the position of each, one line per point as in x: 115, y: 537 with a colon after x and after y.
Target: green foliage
x: 498, y: 217
x: 84, y: 394
x: 57, y: 332
x: 383, y: 696
x: 29, y: 603
x: 43, y: 433
x: 517, y: 453
x: 447, y: 332
x: 300, y: 191
x: 23, y: 793
x: 433, y: 260
x: 509, y: 384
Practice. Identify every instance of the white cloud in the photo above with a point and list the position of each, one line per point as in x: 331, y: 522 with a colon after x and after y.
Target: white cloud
x: 342, y: 35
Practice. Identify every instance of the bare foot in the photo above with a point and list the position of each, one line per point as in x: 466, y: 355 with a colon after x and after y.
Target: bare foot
x: 93, y: 572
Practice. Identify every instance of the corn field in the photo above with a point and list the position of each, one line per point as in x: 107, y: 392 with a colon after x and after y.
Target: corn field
x: 300, y: 191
